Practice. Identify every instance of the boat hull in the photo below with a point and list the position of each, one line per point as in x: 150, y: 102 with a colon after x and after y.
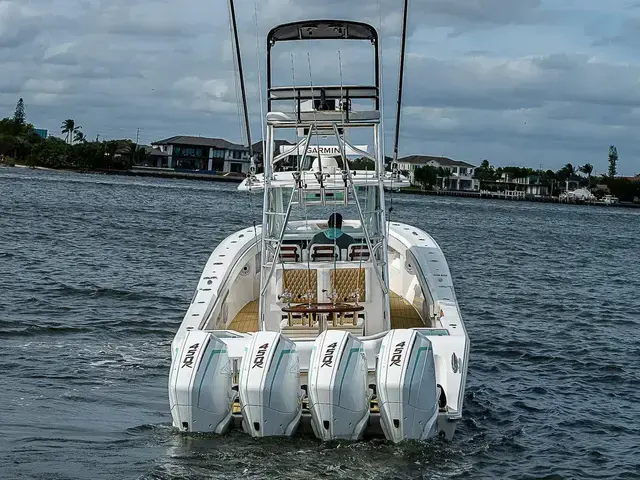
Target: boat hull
x: 420, y: 284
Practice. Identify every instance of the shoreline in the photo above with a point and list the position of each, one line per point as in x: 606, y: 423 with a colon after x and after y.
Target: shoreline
x: 497, y: 196
x: 154, y: 172
x: 144, y: 172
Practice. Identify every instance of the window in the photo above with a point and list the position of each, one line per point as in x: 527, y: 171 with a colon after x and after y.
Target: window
x: 236, y: 167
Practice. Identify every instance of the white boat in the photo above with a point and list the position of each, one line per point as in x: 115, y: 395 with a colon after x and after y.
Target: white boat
x: 286, y: 334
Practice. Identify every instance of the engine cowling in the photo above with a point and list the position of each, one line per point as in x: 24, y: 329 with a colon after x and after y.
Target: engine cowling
x: 270, y: 394
x: 200, y: 384
x: 338, y: 391
x: 406, y: 386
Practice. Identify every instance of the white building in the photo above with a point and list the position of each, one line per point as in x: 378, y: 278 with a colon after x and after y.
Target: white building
x: 460, y: 173
x: 527, y: 186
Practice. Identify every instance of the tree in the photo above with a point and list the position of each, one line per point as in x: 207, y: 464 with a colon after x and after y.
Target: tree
x: 485, y: 172
x: 613, y: 161
x: 427, y: 176
x: 78, y: 136
x: 587, y: 169
x: 445, y: 174
x: 19, y: 115
x: 362, y: 163
x: 68, y: 127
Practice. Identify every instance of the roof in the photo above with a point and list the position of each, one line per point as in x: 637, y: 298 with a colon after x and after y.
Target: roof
x: 200, y: 142
x: 154, y: 151
x: 322, y: 30
x: 258, y: 147
x: 442, y: 161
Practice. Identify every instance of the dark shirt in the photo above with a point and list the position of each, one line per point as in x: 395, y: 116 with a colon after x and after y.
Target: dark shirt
x: 342, y: 239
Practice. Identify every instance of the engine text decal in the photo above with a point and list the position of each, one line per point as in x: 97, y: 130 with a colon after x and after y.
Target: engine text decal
x: 191, y: 353
x: 258, y: 361
x: 327, y: 360
x: 397, y: 355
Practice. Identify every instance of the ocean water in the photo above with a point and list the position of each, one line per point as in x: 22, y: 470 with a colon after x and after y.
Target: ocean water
x: 96, y: 272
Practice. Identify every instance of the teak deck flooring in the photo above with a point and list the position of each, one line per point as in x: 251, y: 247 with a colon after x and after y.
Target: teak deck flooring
x: 403, y: 315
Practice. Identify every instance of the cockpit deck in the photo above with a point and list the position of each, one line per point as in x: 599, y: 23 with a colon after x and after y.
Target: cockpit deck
x: 403, y: 315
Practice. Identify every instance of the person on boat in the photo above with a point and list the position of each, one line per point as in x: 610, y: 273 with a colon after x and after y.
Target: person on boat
x: 333, y: 234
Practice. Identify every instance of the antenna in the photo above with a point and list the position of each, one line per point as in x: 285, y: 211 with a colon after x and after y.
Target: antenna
x: 400, y: 78
x: 232, y: 13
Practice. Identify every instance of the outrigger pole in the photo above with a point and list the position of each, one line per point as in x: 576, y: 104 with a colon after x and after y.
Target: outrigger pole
x: 232, y: 12
x: 394, y: 165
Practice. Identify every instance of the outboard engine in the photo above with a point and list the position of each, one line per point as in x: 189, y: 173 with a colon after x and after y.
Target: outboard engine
x: 406, y: 386
x: 270, y: 394
x: 200, y: 384
x: 338, y: 391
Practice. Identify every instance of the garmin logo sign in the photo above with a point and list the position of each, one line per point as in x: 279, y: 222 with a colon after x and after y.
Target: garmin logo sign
x: 324, y: 149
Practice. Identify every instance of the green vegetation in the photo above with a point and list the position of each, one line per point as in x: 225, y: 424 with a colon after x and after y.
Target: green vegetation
x: 613, y: 161
x: 426, y: 176
x: 20, y: 144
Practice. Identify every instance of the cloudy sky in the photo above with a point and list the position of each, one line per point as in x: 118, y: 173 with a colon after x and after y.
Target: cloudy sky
x: 519, y: 82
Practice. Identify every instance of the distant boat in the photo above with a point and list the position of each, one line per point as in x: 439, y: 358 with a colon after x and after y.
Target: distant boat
x: 610, y: 200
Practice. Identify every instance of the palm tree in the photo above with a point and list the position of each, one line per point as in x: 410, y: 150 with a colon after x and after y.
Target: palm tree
x: 69, y: 127
x: 133, y: 148
x: 587, y: 169
x: 79, y: 136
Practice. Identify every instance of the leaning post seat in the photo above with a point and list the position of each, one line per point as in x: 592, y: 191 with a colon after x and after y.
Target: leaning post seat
x: 289, y: 253
x: 324, y: 252
x: 359, y: 251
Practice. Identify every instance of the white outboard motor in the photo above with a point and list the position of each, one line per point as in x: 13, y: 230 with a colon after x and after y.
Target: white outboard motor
x: 200, y: 384
x: 270, y: 394
x: 338, y: 391
x: 406, y: 386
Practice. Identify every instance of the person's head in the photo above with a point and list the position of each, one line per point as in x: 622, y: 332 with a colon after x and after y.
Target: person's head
x: 335, y: 220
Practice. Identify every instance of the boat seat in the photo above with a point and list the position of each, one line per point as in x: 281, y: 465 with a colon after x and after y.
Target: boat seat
x: 359, y: 251
x: 324, y: 252
x: 290, y: 253
x: 327, y: 116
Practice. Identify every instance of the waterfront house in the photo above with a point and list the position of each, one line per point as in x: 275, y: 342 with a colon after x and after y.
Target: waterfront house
x: 509, y: 186
x: 458, y: 174
x: 203, y: 153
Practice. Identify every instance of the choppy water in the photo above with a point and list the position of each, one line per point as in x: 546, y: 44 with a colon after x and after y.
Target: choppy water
x: 97, y: 271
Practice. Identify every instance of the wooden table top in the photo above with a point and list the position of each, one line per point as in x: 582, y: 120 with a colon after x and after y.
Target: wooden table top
x: 323, y: 308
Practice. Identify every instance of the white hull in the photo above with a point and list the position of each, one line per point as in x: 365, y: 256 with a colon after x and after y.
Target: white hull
x: 419, y: 277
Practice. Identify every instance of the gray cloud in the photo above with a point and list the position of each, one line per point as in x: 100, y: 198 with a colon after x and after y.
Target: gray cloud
x: 167, y: 68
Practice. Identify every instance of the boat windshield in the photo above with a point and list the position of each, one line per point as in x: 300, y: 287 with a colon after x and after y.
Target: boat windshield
x: 306, y: 218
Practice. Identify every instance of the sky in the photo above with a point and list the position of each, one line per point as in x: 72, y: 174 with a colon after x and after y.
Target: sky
x: 537, y: 83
